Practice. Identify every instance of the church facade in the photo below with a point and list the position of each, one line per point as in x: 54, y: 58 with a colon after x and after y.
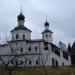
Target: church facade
x: 30, y: 52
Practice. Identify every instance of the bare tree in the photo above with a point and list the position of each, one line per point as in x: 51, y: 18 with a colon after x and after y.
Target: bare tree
x: 9, y: 58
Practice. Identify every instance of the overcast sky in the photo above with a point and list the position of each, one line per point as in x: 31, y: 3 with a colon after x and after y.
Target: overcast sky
x: 60, y: 15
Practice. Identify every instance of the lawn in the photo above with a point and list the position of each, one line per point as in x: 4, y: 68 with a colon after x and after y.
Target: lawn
x: 40, y: 71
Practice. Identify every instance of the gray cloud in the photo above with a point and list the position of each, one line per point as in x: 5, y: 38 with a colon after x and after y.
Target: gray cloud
x: 61, y: 16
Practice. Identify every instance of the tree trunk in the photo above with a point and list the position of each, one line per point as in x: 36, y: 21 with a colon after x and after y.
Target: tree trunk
x: 45, y: 70
x: 10, y: 72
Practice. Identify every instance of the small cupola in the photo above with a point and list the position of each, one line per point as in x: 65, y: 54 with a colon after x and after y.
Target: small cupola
x: 21, y: 19
x: 46, y: 23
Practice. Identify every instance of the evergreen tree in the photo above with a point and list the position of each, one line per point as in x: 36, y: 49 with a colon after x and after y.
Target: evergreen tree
x: 69, y: 47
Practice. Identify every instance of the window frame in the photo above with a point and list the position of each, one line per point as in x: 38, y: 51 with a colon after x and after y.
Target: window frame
x: 17, y: 36
x: 21, y: 50
x: 29, y: 48
x: 35, y: 48
x: 37, y: 62
x: 23, y: 36
x: 30, y: 62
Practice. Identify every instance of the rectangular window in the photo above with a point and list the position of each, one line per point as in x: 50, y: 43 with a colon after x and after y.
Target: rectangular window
x: 37, y: 62
x: 56, y: 50
x: 21, y: 62
x: 29, y: 49
x: 12, y: 62
x: 29, y: 62
x: 17, y: 36
x: 21, y: 50
x: 62, y: 64
x: 46, y: 35
x: 53, y: 62
x: 23, y: 37
x: 12, y: 49
x: 35, y: 48
x: 16, y: 63
x: 65, y: 55
x: 45, y: 46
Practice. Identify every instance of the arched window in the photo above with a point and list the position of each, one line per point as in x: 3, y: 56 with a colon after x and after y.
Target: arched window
x: 46, y: 46
x: 29, y: 62
x: 17, y: 36
x: 46, y: 35
x: 56, y: 63
x: 23, y: 36
x: 43, y: 36
x: 21, y: 50
x: 49, y: 35
x: 29, y: 49
x: 16, y: 63
x: 62, y: 64
x: 53, y: 62
x: 12, y: 62
x: 11, y: 49
x: 35, y: 48
x: 21, y: 62
x: 37, y: 62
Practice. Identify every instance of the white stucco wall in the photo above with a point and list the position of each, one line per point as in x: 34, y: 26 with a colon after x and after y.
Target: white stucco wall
x: 45, y: 57
x: 20, y: 34
x: 49, y: 37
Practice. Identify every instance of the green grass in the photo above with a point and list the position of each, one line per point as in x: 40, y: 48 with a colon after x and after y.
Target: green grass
x: 40, y: 71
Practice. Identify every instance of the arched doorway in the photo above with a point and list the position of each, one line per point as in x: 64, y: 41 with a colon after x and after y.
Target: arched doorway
x: 54, y: 62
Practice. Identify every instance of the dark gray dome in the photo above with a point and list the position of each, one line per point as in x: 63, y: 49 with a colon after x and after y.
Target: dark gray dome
x: 46, y: 23
x: 21, y: 16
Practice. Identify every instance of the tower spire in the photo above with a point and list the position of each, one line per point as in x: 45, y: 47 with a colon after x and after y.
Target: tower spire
x: 46, y: 24
x: 46, y: 18
x: 21, y: 18
x: 21, y: 9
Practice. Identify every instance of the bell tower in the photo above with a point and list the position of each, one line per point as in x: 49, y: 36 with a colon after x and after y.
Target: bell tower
x: 47, y: 33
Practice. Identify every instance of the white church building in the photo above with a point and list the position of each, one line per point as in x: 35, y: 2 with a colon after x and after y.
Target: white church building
x: 27, y: 52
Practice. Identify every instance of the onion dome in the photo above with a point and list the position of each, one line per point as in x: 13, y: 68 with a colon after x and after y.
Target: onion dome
x: 21, y: 16
x: 46, y: 23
